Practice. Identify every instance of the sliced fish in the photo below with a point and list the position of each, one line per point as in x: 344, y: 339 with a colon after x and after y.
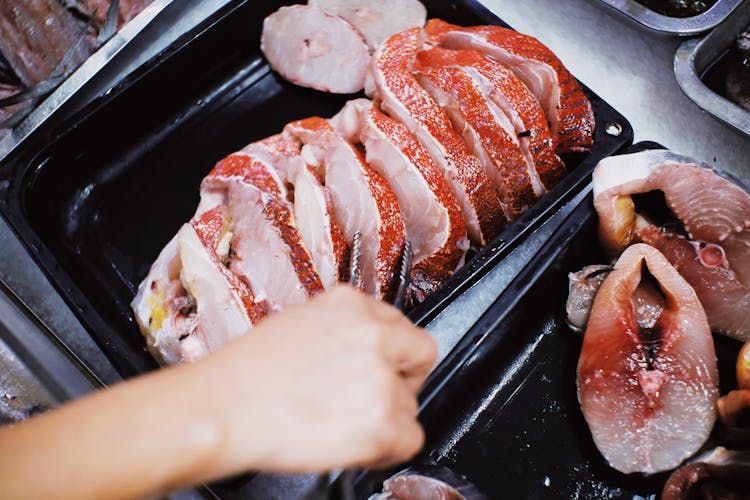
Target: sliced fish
x: 515, y: 100
x: 648, y: 394
x: 36, y: 34
x: 313, y: 206
x: 714, y: 256
x: 362, y: 201
x: 583, y: 286
x: 377, y: 20
x: 190, y: 303
x: 487, y: 132
x: 267, y: 249
x: 568, y: 110
x: 718, y: 474
x: 314, y: 48
x: 393, y: 85
x: 225, y: 307
x: 432, y: 219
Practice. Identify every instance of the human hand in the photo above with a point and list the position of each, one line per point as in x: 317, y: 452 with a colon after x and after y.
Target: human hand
x: 329, y: 384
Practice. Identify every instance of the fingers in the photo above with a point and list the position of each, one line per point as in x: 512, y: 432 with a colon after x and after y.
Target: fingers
x: 409, y: 349
x: 412, y: 351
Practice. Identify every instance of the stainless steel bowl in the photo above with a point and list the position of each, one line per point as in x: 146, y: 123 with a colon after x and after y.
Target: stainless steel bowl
x: 680, y: 26
x: 696, y: 56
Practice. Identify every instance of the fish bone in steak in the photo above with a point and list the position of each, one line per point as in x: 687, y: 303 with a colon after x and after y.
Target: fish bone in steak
x: 433, y: 221
x: 392, y: 84
x: 362, y: 201
x: 568, y: 110
x: 516, y: 101
x: 314, y: 48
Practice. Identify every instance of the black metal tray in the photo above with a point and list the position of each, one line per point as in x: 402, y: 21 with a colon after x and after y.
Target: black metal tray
x: 502, y: 408
x: 95, y: 202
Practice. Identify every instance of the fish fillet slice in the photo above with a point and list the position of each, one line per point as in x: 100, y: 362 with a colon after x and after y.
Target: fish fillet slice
x: 267, y: 247
x: 392, y: 83
x: 225, y: 305
x: 313, y: 206
x: 487, y: 132
x: 714, y: 211
x: 566, y: 106
x: 190, y: 303
x: 362, y: 201
x: 434, y: 224
x: 521, y: 107
x: 314, y: 48
x: 377, y: 20
x: 648, y: 396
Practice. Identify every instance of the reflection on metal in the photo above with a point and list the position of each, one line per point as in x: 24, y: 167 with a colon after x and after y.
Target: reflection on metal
x: 680, y: 26
x: 694, y: 57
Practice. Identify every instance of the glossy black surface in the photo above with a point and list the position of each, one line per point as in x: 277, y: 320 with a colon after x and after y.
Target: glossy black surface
x: 502, y: 408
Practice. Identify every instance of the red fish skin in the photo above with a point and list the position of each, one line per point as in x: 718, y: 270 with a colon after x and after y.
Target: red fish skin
x: 393, y: 63
x: 246, y: 169
x: 577, y: 122
x: 430, y: 272
x: 548, y: 165
x: 514, y: 188
x: 647, y: 418
x: 391, y: 231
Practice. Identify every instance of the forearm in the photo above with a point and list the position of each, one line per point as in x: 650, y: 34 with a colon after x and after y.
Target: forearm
x: 150, y: 435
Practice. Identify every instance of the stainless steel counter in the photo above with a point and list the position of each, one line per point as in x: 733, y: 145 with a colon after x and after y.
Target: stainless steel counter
x: 627, y: 66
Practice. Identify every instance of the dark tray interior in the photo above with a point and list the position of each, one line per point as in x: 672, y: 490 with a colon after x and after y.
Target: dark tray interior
x: 502, y: 408
x: 96, y: 201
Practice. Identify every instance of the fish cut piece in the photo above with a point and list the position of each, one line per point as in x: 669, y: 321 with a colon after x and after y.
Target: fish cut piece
x: 714, y: 257
x: 225, y: 307
x: 157, y: 304
x: 392, y: 84
x: 487, y: 132
x: 362, y: 201
x: 432, y: 219
x: 314, y: 48
x: 377, y: 20
x: 569, y: 112
x: 267, y: 247
x: 648, y: 394
x: 521, y: 107
x: 190, y: 303
x: 313, y: 206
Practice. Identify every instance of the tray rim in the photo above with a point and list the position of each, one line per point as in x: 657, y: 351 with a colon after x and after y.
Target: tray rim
x: 78, y: 301
x: 695, y: 56
x: 676, y: 26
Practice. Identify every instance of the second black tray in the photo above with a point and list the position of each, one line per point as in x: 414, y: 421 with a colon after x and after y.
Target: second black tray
x: 502, y: 408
